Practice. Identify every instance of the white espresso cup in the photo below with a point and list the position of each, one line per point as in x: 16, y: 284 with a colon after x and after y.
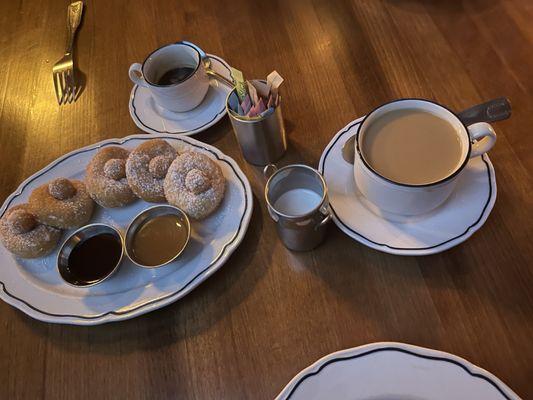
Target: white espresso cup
x: 177, y: 97
x: 401, y: 199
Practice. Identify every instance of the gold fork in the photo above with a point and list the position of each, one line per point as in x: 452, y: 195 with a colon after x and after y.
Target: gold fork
x: 63, y: 70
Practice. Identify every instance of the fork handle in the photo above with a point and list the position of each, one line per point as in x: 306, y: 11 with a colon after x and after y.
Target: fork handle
x: 74, y: 13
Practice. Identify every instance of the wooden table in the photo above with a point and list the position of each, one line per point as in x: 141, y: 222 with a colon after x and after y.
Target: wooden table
x: 268, y: 313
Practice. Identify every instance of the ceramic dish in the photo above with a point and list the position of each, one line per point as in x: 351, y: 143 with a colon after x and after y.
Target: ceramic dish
x: 35, y: 287
x: 151, y: 118
x: 394, y: 371
x: 463, y: 213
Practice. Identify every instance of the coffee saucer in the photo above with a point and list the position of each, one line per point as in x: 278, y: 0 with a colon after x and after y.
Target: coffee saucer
x: 463, y: 213
x: 152, y: 118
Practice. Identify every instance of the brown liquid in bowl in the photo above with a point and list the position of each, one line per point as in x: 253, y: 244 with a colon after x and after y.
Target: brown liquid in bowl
x: 158, y: 240
x: 93, y: 259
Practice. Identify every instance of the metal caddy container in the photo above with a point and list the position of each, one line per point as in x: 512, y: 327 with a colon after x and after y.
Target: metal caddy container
x: 261, y: 139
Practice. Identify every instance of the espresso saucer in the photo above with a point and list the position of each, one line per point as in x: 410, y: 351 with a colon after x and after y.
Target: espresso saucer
x: 152, y: 118
x: 463, y: 213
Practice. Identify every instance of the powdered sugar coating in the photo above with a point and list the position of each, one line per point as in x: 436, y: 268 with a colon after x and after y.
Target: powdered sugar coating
x: 195, y: 184
x: 146, y: 168
x: 196, y: 181
x: 103, y: 186
x: 61, y: 189
x: 21, y: 221
x: 159, y: 165
x: 37, y: 242
x: 115, y: 169
x: 67, y: 213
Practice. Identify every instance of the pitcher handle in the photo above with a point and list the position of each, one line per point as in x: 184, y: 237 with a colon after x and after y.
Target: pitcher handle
x: 269, y: 170
x: 326, y: 219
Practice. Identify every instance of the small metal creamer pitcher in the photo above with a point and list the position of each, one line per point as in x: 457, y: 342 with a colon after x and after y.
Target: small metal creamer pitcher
x: 297, y: 200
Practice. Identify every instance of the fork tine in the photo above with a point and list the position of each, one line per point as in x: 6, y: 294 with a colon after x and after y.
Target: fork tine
x: 73, y: 93
x: 57, y: 88
x: 70, y: 85
x: 77, y: 93
x: 74, y: 86
x: 63, y: 84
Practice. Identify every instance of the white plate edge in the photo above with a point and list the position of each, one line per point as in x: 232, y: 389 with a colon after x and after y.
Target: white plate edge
x: 423, y: 351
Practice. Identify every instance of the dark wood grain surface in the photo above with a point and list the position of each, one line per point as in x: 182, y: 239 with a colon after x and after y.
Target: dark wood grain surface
x: 268, y: 313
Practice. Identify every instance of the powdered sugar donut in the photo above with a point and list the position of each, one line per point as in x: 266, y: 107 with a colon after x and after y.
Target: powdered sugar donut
x: 62, y: 203
x: 22, y: 235
x: 195, y: 184
x: 106, y: 178
x: 147, y: 167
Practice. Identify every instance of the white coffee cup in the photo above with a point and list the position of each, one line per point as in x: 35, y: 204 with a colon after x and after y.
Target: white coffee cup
x: 409, y: 200
x: 177, y: 97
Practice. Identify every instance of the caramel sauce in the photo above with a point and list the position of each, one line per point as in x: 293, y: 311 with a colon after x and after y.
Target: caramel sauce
x: 158, y: 240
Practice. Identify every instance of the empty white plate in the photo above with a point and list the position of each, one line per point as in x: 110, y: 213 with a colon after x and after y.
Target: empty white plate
x: 394, y: 371
x: 152, y: 118
x: 463, y: 213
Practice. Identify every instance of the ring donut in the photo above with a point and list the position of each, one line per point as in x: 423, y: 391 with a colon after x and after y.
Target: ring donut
x: 147, y: 167
x: 106, y: 178
x: 22, y: 235
x: 195, y: 184
x: 62, y: 203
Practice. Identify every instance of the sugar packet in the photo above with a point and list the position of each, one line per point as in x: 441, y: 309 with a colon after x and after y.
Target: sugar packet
x: 240, y: 85
x: 254, y: 98
x: 274, y: 81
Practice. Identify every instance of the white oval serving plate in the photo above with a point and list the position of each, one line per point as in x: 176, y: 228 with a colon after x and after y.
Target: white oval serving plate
x: 35, y: 287
x: 394, y: 371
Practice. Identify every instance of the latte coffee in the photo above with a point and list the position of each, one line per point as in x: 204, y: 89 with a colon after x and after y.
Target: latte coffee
x: 412, y: 146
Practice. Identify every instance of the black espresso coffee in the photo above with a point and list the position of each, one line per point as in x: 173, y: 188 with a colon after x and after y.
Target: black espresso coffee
x: 412, y: 146
x: 175, y: 75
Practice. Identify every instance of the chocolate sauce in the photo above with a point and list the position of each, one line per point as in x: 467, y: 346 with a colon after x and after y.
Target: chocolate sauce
x: 93, y: 259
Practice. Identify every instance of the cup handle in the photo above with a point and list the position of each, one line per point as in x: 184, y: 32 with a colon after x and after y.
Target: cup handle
x: 483, y: 138
x: 136, y: 75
